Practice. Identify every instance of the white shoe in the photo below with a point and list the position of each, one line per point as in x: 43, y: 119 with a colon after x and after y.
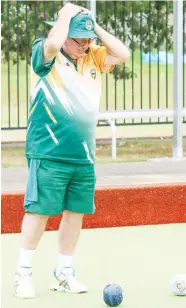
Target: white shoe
x: 23, y: 287
x: 65, y: 281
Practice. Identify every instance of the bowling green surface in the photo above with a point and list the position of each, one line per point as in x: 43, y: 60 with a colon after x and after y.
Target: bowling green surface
x: 141, y: 259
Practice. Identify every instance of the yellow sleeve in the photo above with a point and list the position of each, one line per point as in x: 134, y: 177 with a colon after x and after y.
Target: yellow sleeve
x: 100, y: 53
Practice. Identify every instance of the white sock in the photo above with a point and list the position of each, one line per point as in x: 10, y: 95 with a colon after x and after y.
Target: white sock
x: 64, y: 261
x: 25, y: 258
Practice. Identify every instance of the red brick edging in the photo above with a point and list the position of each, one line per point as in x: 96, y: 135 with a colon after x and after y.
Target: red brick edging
x: 115, y: 206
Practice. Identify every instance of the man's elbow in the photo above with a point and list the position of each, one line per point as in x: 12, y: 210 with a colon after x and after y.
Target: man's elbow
x: 51, y: 47
x: 126, y: 56
x: 50, y: 50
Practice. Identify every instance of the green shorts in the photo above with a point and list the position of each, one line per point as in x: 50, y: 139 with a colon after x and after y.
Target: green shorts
x: 53, y: 187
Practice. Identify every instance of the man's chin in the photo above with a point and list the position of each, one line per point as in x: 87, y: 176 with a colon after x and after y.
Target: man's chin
x: 78, y: 56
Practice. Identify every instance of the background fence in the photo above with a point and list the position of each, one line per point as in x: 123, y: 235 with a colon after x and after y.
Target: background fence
x: 145, y: 82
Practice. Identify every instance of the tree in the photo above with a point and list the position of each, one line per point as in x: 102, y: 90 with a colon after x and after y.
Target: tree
x: 21, y: 23
x: 144, y: 25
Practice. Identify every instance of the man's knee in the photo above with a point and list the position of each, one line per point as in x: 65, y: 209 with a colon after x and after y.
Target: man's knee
x: 72, y: 217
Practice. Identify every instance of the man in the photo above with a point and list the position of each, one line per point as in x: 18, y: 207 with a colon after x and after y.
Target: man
x: 60, y: 143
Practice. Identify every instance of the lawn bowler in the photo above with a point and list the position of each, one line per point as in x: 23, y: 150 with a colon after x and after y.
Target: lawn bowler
x: 66, y: 72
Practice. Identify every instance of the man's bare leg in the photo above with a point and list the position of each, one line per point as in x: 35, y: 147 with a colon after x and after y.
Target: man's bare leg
x: 33, y: 227
x: 69, y: 232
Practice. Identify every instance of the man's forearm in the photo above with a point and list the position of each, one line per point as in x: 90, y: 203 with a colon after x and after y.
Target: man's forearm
x: 114, y: 46
x: 58, y: 34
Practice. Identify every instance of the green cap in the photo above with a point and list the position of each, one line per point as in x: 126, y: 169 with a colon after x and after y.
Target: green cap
x: 81, y: 26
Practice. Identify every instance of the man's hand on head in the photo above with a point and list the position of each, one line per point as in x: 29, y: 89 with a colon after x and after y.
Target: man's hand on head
x: 87, y: 12
x: 59, y: 32
x: 71, y: 10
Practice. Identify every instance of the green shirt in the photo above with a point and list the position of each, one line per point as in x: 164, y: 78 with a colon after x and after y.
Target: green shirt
x: 64, y: 106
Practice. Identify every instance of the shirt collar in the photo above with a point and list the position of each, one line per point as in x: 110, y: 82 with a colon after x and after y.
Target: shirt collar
x: 70, y: 59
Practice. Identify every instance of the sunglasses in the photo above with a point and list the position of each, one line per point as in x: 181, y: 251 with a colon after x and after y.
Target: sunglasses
x: 84, y: 43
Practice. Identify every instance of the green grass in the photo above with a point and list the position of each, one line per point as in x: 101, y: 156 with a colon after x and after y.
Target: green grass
x: 128, y: 93
x: 15, y: 83
x: 126, y: 152
x: 141, y: 259
x: 128, y: 98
